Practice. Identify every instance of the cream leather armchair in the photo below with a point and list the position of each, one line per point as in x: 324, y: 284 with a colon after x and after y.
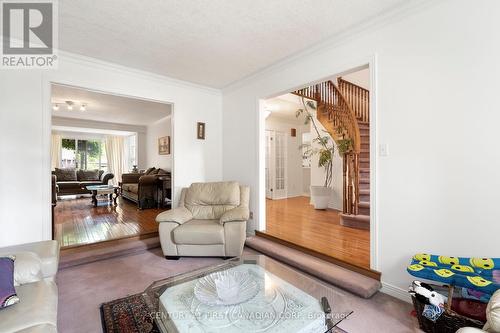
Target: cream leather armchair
x: 209, y: 222
x: 492, y: 315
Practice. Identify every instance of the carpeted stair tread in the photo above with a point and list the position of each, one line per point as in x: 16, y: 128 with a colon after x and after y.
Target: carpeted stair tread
x: 356, y: 283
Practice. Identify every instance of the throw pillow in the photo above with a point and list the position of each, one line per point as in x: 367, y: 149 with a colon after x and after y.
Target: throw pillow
x: 27, y: 268
x: 8, y: 294
x: 66, y: 175
x: 88, y: 175
x: 148, y: 171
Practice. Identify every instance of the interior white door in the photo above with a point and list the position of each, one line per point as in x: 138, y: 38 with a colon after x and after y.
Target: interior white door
x: 276, y: 182
x: 280, y: 174
x: 269, y: 165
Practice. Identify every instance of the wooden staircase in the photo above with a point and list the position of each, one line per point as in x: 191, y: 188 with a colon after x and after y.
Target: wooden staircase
x: 345, y: 106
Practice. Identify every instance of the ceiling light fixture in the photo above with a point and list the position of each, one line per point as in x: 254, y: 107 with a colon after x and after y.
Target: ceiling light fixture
x: 83, y: 107
x: 55, y: 107
x: 69, y: 105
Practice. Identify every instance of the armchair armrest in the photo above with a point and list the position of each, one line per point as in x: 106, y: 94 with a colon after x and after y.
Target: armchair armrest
x: 131, y: 178
x: 240, y: 213
x: 177, y: 215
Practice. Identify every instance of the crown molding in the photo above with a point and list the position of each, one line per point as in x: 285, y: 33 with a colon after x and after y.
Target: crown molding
x: 101, y: 64
x: 406, y: 9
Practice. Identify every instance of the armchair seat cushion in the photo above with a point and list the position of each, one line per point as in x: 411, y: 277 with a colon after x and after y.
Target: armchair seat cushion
x: 134, y: 188
x: 90, y: 183
x: 199, y: 232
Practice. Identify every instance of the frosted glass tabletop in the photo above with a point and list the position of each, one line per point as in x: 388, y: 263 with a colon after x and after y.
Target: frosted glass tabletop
x: 287, y: 301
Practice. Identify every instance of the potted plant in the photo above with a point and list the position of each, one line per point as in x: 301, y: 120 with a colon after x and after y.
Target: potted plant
x: 320, y: 195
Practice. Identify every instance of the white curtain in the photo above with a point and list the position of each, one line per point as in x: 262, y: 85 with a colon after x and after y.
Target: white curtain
x: 55, y: 151
x: 115, y: 156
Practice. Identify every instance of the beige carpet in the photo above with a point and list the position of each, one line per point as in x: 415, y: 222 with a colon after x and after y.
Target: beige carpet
x: 351, y: 281
x: 82, y: 289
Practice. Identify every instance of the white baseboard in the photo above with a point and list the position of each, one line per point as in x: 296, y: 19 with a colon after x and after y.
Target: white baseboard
x: 396, y: 292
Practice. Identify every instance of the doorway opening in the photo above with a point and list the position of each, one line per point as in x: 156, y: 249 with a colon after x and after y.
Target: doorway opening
x: 111, y: 162
x: 317, y: 167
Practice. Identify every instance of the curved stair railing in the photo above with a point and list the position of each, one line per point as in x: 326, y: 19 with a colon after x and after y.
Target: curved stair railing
x: 336, y: 115
x: 358, y: 98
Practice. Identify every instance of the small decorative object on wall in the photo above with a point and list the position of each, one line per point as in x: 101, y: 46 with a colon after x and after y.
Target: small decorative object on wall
x: 134, y: 169
x: 164, y: 145
x: 200, y: 131
x: 293, y: 132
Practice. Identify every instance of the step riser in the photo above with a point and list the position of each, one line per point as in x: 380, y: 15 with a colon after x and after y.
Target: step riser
x: 364, y: 186
x: 364, y: 165
x: 364, y: 197
x: 363, y: 211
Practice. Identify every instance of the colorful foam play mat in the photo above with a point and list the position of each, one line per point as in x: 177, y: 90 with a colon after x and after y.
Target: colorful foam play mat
x: 481, y: 274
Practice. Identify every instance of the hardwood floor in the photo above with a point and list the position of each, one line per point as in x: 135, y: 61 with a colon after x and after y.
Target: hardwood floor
x: 296, y: 221
x: 77, y: 222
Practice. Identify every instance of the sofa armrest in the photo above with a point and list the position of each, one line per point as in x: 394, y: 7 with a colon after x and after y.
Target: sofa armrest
x: 106, y: 177
x: 240, y: 213
x: 131, y: 178
x: 148, y: 180
x: 177, y: 215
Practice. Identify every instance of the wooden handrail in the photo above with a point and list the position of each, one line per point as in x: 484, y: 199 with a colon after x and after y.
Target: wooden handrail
x: 334, y: 112
x: 358, y: 97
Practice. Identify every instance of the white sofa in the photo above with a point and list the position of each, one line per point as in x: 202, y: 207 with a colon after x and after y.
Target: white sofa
x: 36, y: 266
x: 209, y: 222
x: 492, y: 315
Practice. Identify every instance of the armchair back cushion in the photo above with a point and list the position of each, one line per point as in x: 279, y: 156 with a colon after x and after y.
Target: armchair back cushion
x: 209, y: 201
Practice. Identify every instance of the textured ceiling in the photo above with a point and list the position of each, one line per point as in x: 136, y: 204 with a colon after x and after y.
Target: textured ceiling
x: 211, y: 42
x: 107, y: 108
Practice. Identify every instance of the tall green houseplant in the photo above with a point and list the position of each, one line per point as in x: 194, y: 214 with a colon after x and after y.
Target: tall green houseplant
x: 327, y: 147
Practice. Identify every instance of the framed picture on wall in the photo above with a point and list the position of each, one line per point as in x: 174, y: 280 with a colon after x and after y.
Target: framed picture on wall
x: 200, y: 131
x: 164, y: 145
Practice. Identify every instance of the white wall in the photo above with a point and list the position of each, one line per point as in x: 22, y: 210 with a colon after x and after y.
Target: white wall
x: 360, y: 78
x: 293, y: 154
x: 436, y: 69
x: 162, y: 127
x: 25, y: 113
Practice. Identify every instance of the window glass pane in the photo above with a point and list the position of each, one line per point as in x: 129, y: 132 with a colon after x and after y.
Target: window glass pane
x: 68, y: 153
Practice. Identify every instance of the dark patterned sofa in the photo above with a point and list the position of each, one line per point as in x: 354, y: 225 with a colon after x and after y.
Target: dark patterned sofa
x: 73, y: 181
x: 142, y: 188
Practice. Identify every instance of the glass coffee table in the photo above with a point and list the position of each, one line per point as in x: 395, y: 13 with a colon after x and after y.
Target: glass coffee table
x: 110, y: 191
x: 285, y: 300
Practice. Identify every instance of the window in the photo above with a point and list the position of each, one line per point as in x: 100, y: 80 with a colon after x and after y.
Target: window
x: 130, y: 157
x: 83, y: 154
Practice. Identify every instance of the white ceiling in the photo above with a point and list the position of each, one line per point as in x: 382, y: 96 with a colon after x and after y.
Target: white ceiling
x: 107, y: 108
x: 214, y: 42
x: 284, y: 108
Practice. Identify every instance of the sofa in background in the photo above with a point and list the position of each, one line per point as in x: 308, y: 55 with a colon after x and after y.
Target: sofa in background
x: 35, y: 266
x: 73, y: 181
x: 210, y: 221
x: 142, y: 188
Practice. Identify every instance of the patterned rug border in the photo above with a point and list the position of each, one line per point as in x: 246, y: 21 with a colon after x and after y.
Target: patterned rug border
x: 154, y: 328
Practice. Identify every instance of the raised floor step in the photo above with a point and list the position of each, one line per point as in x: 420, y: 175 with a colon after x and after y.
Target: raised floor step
x: 78, y: 255
x: 355, y: 221
x: 335, y: 274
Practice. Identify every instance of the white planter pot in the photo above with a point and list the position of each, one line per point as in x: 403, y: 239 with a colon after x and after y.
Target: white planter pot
x: 320, y: 196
